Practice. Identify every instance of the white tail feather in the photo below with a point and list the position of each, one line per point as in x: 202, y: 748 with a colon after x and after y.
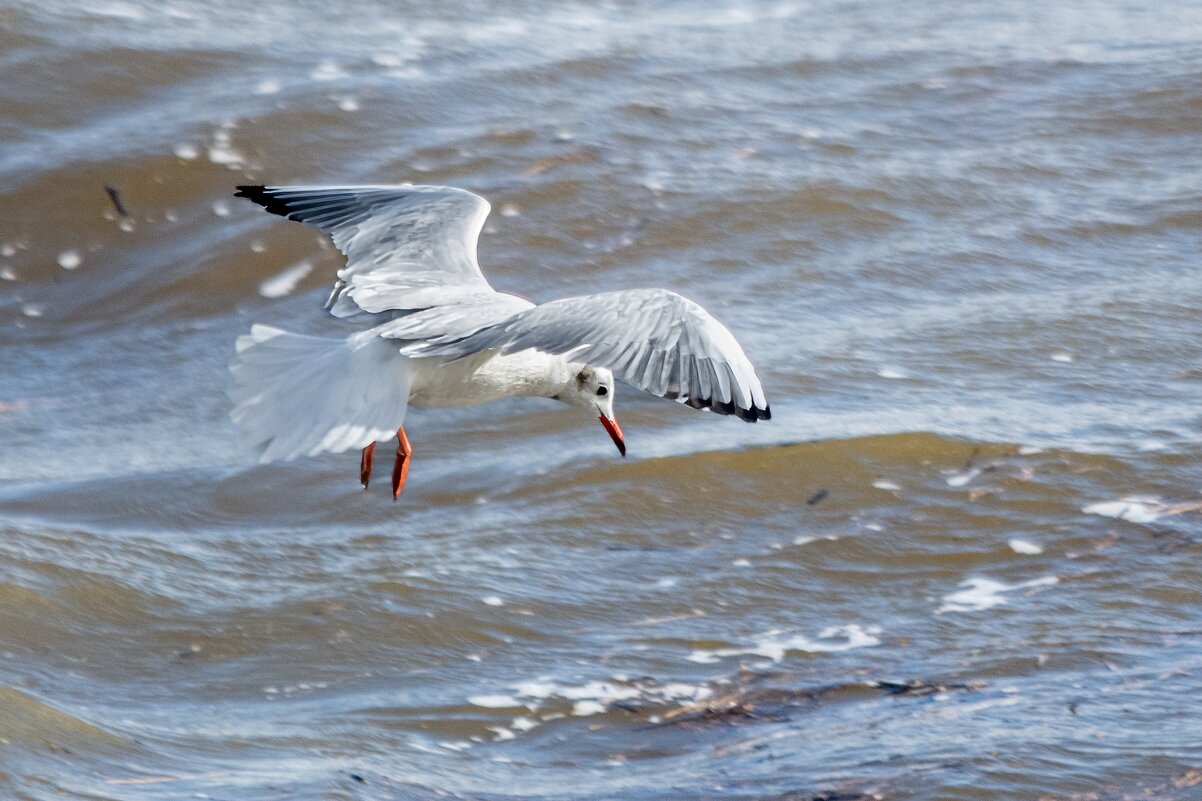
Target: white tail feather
x: 298, y: 395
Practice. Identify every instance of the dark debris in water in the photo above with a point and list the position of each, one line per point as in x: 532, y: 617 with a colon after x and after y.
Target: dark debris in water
x: 744, y: 701
x: 921, y: 687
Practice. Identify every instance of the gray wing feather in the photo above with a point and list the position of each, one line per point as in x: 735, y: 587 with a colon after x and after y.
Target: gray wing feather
x: 407, y: 247
x: 651, y: 338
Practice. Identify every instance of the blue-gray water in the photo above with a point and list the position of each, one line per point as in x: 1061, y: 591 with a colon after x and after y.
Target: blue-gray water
x: 960, y: 240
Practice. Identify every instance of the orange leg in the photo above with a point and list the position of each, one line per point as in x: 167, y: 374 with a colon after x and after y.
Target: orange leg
x: 400, y: 470
x: 365, y: 464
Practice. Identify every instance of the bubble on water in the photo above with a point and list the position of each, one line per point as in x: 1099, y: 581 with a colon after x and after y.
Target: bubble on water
x: 186, y: 152
x: 1062, y: 357
x: 222, y: 151
x: 69, y: 259
x: 327, y: 71
x: 226, y: 155
x: 492, y: 600
x: 892, y: 373
x: 283, y: 283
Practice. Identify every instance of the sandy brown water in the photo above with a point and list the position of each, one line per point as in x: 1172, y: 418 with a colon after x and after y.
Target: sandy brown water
x: 960, y: 241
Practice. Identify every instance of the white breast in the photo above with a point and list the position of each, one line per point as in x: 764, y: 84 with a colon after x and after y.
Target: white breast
x: 485, y: 377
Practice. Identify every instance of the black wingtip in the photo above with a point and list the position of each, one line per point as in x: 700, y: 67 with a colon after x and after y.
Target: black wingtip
x: 752, y: 415
x: 260, y: 194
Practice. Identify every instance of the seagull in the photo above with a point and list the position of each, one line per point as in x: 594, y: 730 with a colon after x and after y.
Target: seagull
x: 438, y: 335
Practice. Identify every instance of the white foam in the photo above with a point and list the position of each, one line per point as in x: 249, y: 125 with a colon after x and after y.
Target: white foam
x: 69, y: 259
x: 492, y: 600
x: 186, y: 152
x: 585, y: 708
x: 960, y: 479
x: 116, y: 10
x: 1133, y: 509
x: 494, y: 701
x: 892, y: 373
x: 7, y: 274
x: 595, y: 697
x: 882, y: 484
x: 1064, y: 358
x: 805, y: 539
x: 268, y: 87
x: 221, y: 208
x: 775, y: 644
x: 281, y: 284
x: 33, y: 310
x: 981, y: 593
x: 523, y: 723
x: 1024, y: 547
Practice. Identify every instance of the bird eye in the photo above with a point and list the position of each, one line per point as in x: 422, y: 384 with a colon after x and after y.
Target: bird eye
x: 602, y: 390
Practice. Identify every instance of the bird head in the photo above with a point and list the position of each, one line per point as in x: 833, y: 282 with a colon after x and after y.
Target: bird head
x: 592, y: 390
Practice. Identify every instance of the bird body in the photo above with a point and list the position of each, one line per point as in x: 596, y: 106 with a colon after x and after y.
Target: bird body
x: 488, y: 376
x: 437, y: 334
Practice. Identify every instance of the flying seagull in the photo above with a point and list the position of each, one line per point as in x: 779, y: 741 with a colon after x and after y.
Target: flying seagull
x: 437, y: 334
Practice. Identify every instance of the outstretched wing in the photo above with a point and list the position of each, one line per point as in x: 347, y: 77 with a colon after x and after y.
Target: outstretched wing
x: 407, y: 247
x: 651, y: 338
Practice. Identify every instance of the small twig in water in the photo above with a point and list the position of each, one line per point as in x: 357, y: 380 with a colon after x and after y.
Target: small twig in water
x: 116, y: 198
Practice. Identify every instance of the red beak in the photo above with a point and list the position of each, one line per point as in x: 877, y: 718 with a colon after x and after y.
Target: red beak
x: 615, y: 433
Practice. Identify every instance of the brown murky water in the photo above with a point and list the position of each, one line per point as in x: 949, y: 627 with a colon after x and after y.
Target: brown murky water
x: 959, y: 239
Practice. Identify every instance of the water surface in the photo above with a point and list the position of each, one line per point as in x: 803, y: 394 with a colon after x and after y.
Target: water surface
x: 960, y: 241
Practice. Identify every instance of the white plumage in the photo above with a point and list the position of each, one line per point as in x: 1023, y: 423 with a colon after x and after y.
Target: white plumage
x: 439, y: 335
